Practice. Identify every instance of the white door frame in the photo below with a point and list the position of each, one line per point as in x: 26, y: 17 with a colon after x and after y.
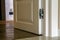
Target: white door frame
x: 52, y: 18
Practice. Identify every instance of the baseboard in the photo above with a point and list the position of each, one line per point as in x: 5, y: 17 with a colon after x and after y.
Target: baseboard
x: 29, y: 32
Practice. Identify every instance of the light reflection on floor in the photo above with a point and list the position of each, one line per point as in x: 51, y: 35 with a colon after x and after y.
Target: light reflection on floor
x: 9, y: 31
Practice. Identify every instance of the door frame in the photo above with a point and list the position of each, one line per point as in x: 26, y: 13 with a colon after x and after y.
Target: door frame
x: 52, y: 15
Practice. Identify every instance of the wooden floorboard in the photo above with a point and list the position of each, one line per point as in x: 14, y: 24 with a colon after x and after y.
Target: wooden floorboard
x: 7, y: 31
x: 4, y: 22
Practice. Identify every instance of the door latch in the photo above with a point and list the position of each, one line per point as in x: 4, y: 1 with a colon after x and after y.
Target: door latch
x: 41, y: 13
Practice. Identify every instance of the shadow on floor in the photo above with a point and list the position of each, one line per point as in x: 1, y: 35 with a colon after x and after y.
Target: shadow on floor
x: 22, y: 34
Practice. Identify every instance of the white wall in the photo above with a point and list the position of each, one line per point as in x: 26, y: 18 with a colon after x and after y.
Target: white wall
x: 8, y: 6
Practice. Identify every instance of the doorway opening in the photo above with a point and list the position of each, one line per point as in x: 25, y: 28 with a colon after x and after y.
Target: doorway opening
x: 2, y: 10
x: 9, y: 10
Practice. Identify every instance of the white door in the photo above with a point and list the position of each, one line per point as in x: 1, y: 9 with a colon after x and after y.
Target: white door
x: 26, y: 15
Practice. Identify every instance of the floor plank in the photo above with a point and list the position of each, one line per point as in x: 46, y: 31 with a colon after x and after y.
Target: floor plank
x: 8, y: 32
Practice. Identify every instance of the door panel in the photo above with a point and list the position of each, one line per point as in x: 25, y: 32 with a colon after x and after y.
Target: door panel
x: 26, y: 15
x: 25, y: 11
